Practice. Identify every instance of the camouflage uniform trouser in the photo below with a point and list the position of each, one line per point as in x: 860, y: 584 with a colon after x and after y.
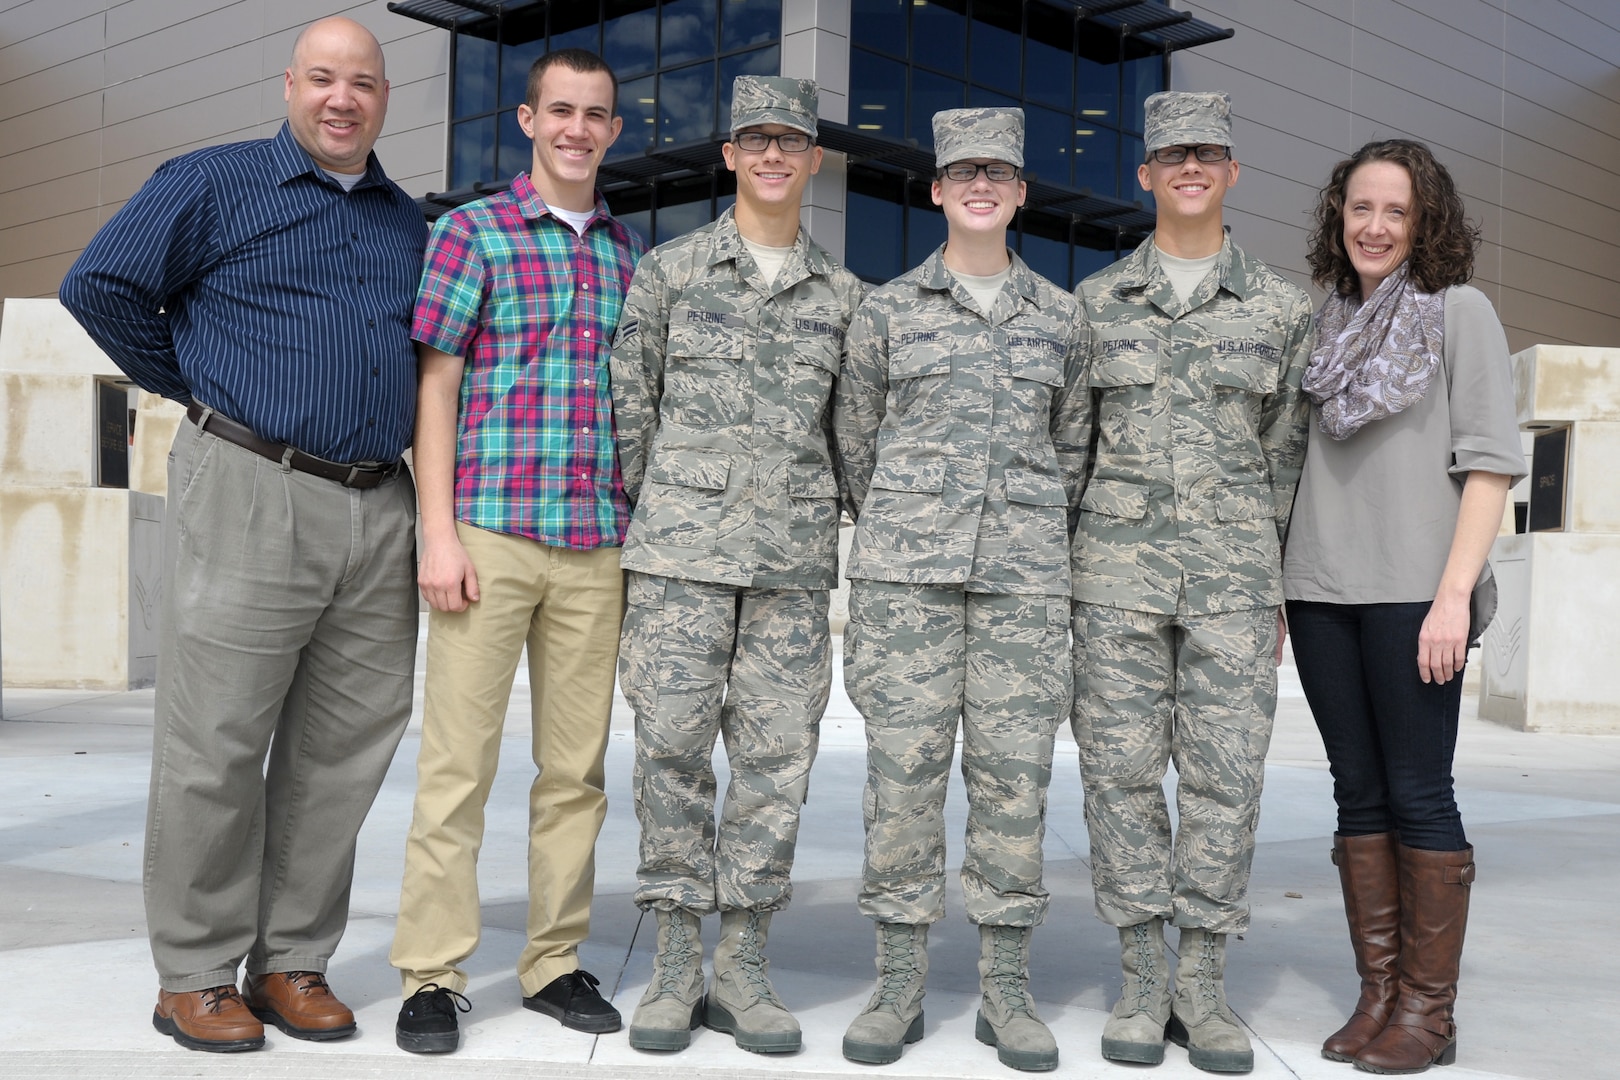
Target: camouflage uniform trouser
x: 1199, y: 689
x: 752, y: 665
x: 918, y: 661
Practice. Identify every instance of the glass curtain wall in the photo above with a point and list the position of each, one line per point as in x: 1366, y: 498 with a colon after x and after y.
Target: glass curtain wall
x: 675, y: 60
x: 1079, y: 87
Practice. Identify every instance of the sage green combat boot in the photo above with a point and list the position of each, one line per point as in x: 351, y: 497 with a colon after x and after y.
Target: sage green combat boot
x: 1007, y: 1018
x: 1199, y: 1018
x: 893, y: 1018
x: 673, y: 1003
x: 1135, y: 1029
x: 742, y: 1002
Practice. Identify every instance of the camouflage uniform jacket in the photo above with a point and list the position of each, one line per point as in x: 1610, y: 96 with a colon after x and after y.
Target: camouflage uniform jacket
x: 1201, y: 430
x: 962, y: 440
x: 721, y: 401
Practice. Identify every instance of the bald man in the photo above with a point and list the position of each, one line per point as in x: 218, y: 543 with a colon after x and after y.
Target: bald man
x: 267, y: 286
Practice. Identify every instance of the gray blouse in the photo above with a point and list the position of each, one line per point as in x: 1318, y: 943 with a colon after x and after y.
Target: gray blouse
x: 1375, y: 513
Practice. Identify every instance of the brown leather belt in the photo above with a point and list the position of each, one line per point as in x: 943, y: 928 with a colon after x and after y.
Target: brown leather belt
x: 363, y: 475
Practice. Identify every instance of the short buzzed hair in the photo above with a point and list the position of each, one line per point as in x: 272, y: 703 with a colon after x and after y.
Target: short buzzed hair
x: 581, y: 60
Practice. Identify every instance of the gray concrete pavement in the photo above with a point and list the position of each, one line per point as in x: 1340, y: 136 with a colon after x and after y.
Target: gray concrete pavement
x: 1543, y: 812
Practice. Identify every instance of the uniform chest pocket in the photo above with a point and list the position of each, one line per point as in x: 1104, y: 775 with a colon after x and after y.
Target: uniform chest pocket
x: 919, y: 360
x: 694, y: 333
x: 1243, y: 371
x: 1040, y: 362
x: 818, y: 337
x: 1126, y: 369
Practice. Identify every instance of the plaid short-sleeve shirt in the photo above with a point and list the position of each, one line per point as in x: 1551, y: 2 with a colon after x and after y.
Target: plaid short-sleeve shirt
x: 531, y: 306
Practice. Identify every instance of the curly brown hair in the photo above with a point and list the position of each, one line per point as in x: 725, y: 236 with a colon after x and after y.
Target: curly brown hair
x: 1443, y: 240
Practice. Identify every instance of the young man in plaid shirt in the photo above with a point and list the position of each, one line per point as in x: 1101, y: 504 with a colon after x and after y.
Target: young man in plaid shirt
x: 523, y: 514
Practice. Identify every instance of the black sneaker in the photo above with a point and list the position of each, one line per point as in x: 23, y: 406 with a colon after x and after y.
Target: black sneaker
x: 427, y: 1021
x: 573, y: 1000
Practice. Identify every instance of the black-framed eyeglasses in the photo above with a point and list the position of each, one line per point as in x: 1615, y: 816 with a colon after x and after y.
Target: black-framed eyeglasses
x: 1175, y: 155
x: 757, y: 142
x: 967, y: 171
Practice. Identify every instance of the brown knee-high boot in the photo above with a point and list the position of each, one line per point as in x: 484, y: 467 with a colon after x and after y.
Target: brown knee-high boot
x: 1434, y: 913
x: 1372, y: 907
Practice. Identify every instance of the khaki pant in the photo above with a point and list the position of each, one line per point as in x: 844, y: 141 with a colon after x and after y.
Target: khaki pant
x: 566, y: 607
x: 284, y: 683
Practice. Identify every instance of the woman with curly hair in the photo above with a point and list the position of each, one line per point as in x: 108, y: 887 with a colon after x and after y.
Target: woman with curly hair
x: 1414, y: 448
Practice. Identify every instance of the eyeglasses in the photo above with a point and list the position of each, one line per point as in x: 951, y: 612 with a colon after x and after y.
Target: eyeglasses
x: 757, y: 142
x: 966, y: 171
x: 1175, y: 155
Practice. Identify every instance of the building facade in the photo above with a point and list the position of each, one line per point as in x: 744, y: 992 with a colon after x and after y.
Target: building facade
x: 1520, y: 98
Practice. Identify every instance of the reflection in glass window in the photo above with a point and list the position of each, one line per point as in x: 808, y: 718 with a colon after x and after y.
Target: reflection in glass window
x: 939, y: 28
x: 686, y: 105
x: 749, y: 22
x: 1097, y: 89
x: 930, y: 94
x: 1142, y: 78
x: 515, y: 63
x: 637, y: 107
x: 475, y: 75
x: 925, y: 231
x: 1048, y: 71
x: 630, y: 36
x: 1047, y: 253
x: 516, y: 149
x: 874, y: 210
x: 880, y: 24
x: 996, y: 26
x: 1047, y: 139
x: 1132, y: 153
x: 980, y: 98
x: 472, y: 151
x: 686, y: 31
x: 877, y: 94
x: 1096, y: 159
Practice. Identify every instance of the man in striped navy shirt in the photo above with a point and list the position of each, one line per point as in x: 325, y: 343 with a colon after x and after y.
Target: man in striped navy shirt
x: 267, y: 286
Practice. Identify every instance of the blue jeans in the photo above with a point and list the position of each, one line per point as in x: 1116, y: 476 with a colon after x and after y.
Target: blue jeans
x: 1390, y: 736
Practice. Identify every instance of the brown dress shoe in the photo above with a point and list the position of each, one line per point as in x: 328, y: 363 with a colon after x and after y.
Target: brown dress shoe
x: 300, y: 1004
x: 215, y: 1019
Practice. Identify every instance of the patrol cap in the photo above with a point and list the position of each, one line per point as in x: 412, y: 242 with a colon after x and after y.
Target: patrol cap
x: 1187, y: 118
x: 773, y: 99
x: 960, y: 134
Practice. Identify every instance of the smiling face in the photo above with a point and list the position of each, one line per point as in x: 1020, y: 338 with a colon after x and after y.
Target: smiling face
x: 1188, y: 194
x: 771, y: 178
x: 336, y: 94
x: 572, y: 125
x: 980, y: 206
x: 1379, y: 220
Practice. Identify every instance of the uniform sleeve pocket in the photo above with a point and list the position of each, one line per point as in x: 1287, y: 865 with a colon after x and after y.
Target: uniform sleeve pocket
x: 1034, y: 489
x: 1115, y: 498
x: 1252, y: 373
x: 811, y: 482
x: 1245, y: 502
x: 703, y: 470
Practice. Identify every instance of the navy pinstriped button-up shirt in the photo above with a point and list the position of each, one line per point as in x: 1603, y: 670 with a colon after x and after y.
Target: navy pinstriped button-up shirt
x: 245, y: 277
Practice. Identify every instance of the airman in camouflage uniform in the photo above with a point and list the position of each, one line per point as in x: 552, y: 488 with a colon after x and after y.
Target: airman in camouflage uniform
x: 962, y: 434
x: 1177, y: 574
x: 723, y: 367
